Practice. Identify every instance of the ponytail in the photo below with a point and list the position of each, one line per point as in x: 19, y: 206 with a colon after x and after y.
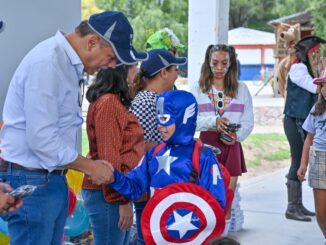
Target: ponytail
x: 139, y: 83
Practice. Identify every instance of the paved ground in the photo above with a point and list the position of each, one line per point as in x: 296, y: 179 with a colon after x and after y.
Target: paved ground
x: 263, y: 200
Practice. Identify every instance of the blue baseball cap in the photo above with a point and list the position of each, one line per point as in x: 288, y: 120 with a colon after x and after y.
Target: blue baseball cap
x: 159, y: 59
x: 2, y: 26
x: 115, y: 28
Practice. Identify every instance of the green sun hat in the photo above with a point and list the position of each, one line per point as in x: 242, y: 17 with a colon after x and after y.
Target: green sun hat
x: 164, y: 39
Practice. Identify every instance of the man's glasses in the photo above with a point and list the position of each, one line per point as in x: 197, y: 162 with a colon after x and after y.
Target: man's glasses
x: 82, y: 91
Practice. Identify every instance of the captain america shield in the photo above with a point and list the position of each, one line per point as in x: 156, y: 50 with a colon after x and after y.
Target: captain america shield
x: 182, y: 213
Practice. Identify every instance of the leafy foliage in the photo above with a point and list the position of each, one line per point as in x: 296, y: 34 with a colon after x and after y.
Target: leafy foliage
x: 318, y: 9
x: 289, y: 7
x: 248, y: 13
x: 89, y: 8
x: 148, y: 16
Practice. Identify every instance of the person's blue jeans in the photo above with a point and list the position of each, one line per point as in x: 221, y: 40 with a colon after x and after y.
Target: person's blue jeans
x: 43, y: 215
x: 139, y: 206
x: 104, y: 218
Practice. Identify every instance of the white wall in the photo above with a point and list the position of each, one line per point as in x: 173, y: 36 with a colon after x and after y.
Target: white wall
x: 253, y: 56
x: 27, y: 23
x: 249, y: 56
x: 269, y: 56
x: 208, y: 24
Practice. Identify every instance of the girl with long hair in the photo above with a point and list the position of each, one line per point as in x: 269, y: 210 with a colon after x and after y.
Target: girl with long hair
x: 224, y: 102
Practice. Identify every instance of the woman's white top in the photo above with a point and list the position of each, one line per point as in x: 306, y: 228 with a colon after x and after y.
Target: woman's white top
x: 237, y: 110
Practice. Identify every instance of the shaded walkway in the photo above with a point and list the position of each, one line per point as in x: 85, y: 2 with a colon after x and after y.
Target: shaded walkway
x: 264, y: 201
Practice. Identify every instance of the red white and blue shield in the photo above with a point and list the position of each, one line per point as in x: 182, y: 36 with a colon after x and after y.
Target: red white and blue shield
x: 182, y: 213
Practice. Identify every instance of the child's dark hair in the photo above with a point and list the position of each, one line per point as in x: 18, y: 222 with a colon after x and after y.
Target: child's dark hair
x: 223, y: 241
x: 141, y: 80
x: 320, y: 106
x: 231, y: 77
x: 111, y: 81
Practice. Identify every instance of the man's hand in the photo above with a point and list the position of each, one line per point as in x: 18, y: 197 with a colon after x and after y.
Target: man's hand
x: 102, y: 172
x: 8, y: 203
x: 126, y: 216
x: 98, y: 171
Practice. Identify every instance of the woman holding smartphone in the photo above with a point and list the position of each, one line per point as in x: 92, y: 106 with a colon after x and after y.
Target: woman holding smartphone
x: 223, y: 104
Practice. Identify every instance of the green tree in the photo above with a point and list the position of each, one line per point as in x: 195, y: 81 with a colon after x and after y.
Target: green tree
x: 289, y: 7
x: 148, y: 16
x: 89, y: 8
x: 251, y: 13
x: 318, y: 10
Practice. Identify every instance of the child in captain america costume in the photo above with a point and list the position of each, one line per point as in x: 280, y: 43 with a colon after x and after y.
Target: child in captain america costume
x: 173, y: 163
x: 176, y: 119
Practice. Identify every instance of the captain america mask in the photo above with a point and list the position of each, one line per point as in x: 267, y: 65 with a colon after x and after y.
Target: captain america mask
x: 179, y: 108
x: 164, y: 112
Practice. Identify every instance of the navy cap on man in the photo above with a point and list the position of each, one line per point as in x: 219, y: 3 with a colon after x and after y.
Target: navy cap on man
x: 115, y: 28
x: 2, y: 26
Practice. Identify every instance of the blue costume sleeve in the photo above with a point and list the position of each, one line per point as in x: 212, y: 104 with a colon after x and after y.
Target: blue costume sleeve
x: 211, y: 177
x: 136, y: 182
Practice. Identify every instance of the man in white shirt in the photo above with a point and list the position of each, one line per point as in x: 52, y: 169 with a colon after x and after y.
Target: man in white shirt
x: 42, y: 116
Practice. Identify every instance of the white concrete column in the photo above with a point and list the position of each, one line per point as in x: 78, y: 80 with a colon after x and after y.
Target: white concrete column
x: 208, y: 24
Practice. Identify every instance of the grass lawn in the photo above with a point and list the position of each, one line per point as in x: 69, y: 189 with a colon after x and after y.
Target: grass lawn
x: 257, y: 148
x: 265, y: 147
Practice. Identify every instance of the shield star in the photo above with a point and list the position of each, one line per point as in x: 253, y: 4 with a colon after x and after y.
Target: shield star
x: 182, y: 224
x: 164, y: 162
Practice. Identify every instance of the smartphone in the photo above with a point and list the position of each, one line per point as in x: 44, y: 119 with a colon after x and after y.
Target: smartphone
x: 227, y: 137
x: 23, y: 191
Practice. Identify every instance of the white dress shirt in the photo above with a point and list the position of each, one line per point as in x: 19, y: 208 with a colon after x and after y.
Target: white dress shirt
x: 41, y: 113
